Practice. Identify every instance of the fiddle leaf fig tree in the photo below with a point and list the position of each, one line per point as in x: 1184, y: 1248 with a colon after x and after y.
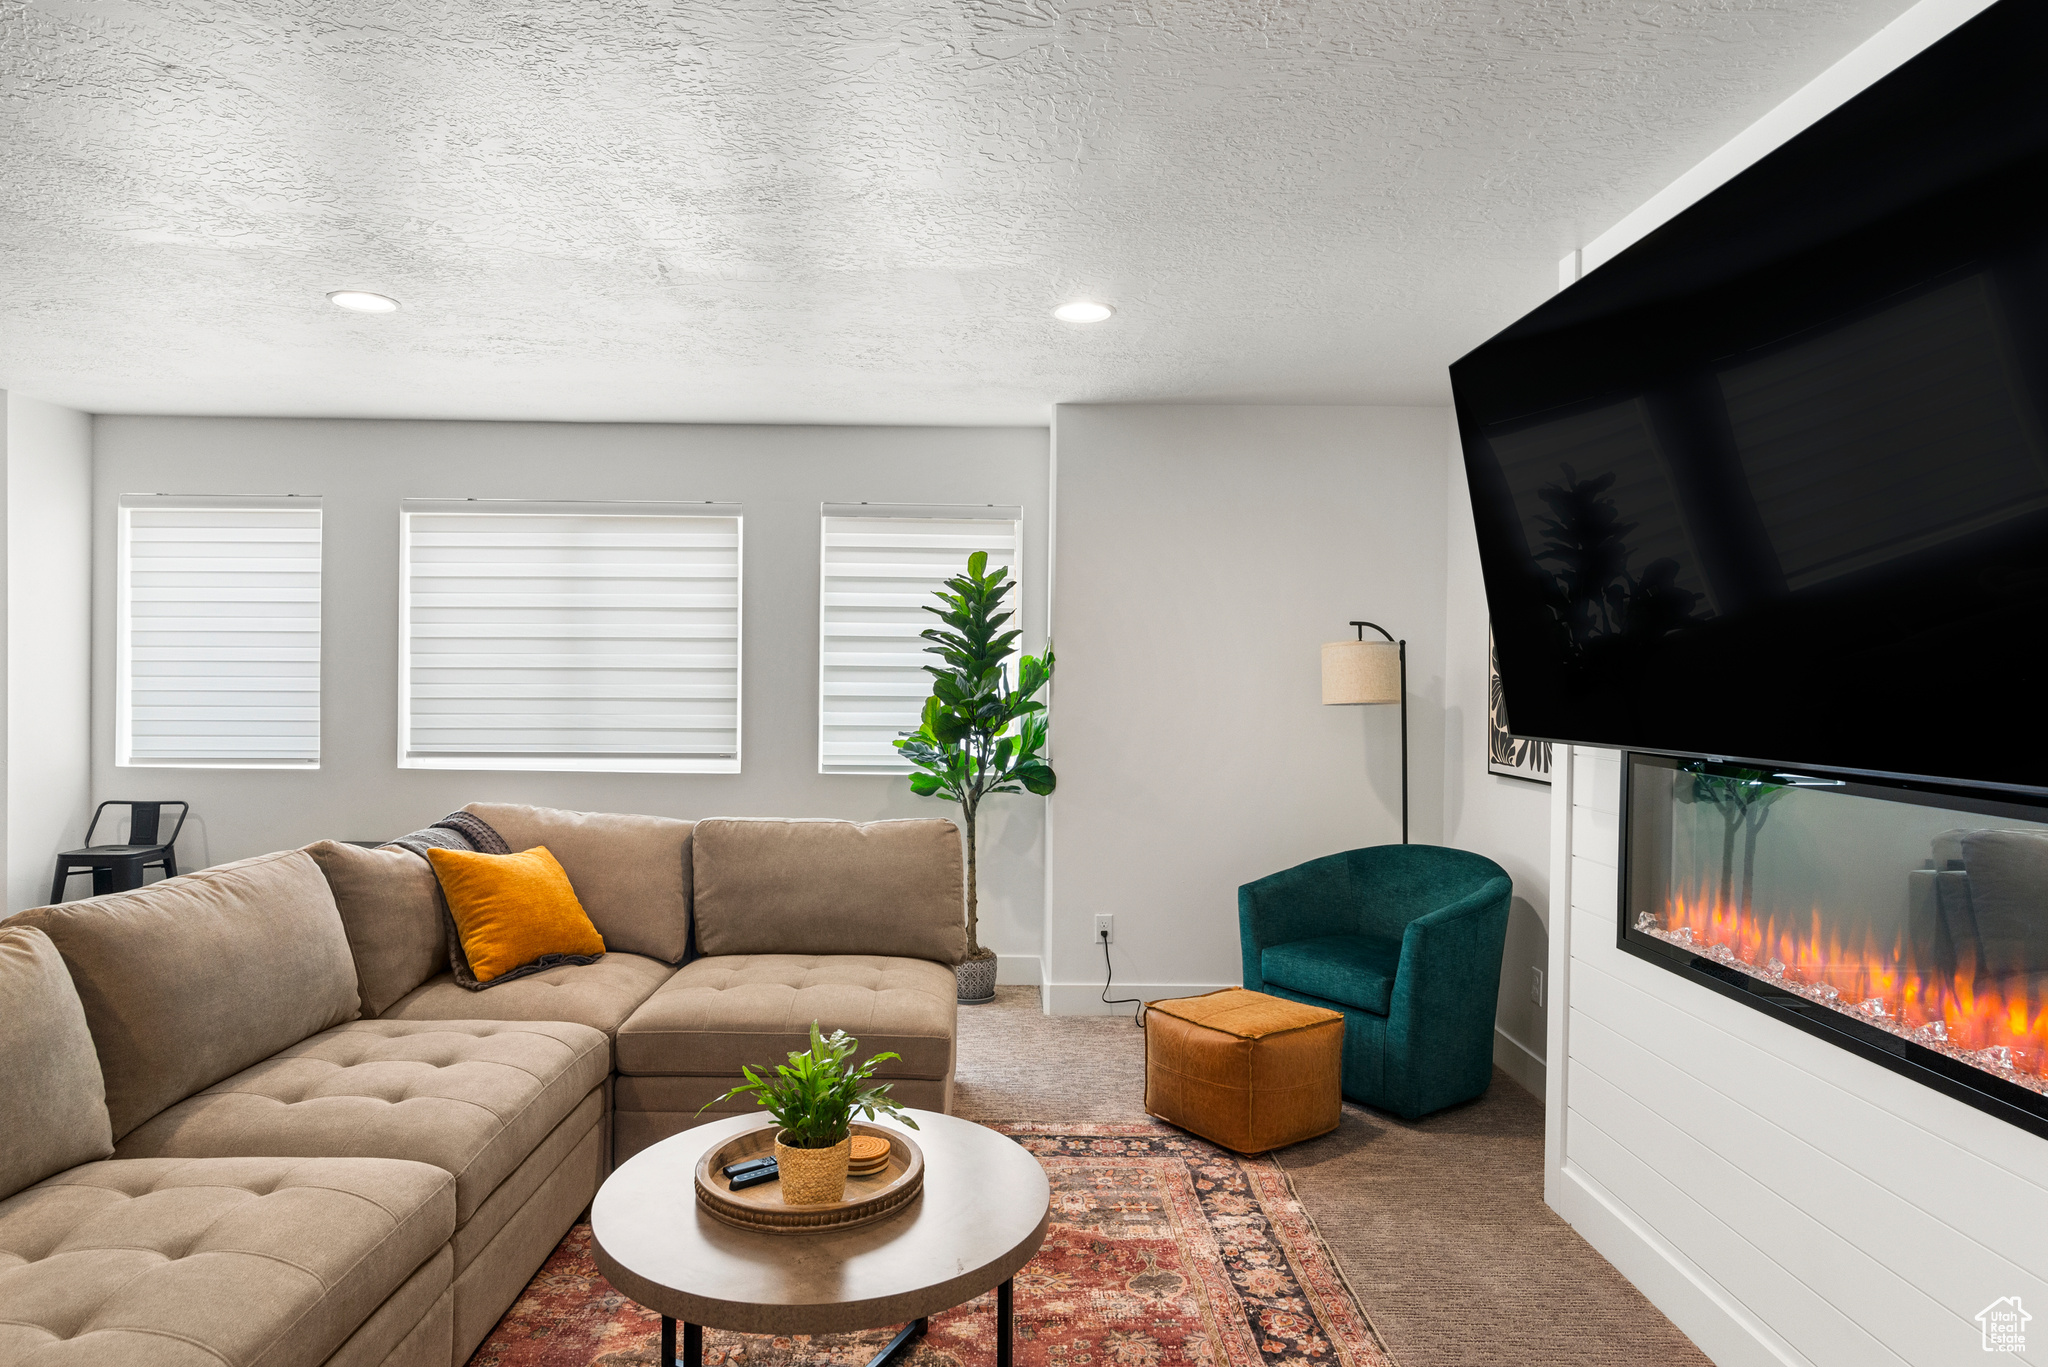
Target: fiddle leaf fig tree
x: 979, y: 735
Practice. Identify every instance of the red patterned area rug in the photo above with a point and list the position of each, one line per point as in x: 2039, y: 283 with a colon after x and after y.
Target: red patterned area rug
x: 1164, y: 1251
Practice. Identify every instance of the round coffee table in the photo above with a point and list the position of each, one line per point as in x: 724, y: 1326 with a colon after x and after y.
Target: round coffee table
x: 981, y: 1216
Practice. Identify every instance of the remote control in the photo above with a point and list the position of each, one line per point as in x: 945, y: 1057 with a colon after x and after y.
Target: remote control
x: 736, y: 1169
x: 755, y: 1178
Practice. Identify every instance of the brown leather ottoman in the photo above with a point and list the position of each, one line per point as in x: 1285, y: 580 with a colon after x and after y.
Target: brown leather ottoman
x: 1244, y: 1070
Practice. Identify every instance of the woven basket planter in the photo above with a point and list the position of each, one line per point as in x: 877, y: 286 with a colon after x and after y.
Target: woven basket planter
x: 812, y: 1177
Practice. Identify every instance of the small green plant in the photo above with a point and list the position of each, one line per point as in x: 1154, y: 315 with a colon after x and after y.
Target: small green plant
x: 815, y: 1096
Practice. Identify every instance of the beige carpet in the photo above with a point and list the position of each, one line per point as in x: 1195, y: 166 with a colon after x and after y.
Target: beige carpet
x: 1440, y: 1225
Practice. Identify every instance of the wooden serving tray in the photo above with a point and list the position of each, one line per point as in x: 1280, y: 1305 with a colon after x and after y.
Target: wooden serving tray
x: 870, y: 1198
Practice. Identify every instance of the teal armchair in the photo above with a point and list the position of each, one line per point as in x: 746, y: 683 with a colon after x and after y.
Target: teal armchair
x: 1406, y: 941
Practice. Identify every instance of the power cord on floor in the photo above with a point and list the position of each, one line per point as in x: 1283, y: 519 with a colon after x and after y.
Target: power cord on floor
x: 1109, y: 976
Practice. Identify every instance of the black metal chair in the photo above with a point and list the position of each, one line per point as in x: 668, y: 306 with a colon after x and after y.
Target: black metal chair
x: 117, y: 868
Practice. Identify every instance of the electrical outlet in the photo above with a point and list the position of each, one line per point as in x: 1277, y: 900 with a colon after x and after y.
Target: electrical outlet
x: 1536, y: 986
x: 1105, y: 930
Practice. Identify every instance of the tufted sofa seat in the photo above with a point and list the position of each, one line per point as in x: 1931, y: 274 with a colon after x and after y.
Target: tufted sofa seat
x: 746, y: 1008
x: 473, y: 1098
x: 249, y: 1262
x: 600, y: 995
x: 480, y: 1100
x: 686, y: 1044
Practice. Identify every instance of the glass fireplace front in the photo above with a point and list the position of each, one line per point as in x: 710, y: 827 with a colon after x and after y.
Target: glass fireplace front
x: 1908, y: 925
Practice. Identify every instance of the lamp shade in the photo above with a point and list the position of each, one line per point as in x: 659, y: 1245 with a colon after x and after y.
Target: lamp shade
x: 1361, y: 672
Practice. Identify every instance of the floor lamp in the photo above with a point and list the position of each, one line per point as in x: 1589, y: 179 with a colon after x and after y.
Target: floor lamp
x: 1372, y: 672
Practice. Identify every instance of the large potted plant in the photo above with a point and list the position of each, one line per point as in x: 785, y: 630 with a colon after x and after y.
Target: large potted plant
x: 979, y: 735
x: 813, y: 1099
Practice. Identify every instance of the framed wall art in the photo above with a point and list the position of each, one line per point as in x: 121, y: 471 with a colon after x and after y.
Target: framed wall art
x: 1507, y: 754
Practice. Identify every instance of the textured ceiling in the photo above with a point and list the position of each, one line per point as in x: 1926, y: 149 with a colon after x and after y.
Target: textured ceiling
x: 829, y: 212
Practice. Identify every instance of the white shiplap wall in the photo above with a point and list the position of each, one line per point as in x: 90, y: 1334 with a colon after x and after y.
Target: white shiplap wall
x: 1782, y: 1200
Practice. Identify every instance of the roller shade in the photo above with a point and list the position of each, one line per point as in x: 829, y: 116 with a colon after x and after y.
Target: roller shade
x: 218, y: 650
x: 881, y: 567
x: 578, y: 636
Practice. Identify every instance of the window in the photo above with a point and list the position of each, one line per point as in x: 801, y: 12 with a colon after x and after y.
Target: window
x: 570, y: 636
x: 881, y: 565
x: 218, y: 650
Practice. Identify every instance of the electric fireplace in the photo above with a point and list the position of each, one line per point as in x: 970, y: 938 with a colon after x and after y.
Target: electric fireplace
x: 1905, y: 922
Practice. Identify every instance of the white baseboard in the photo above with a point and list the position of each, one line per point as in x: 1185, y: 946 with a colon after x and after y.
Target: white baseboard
x: 1085, y: 999
x: 1018, y: 970
x: 1518, y: 1061
x: 1718, y: 1325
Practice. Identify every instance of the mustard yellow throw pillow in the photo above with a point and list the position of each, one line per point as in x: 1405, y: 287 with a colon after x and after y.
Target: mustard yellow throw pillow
x: 513, y: 910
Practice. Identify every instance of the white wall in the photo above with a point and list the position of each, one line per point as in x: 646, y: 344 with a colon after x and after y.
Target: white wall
x: 1204, y: 555
x: 1782, y: 1200
x: 47, y: 455
x: 1505, y: 819
x: 363, y: 468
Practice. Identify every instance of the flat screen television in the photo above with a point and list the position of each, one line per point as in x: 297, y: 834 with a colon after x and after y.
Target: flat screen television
x: 1772, y: 484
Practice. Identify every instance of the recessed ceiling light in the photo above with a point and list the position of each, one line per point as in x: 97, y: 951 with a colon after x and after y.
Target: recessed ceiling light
x: 362, y: 301
x: 1082, y: 311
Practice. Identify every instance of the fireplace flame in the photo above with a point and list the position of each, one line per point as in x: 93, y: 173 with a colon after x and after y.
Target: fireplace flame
x: 1997, y: 1023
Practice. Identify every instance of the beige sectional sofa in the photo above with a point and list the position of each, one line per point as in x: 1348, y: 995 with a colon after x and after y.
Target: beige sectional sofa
x: 251, y: 1119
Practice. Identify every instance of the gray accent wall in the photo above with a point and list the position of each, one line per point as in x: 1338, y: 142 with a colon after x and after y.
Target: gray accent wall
x: 363, y: 468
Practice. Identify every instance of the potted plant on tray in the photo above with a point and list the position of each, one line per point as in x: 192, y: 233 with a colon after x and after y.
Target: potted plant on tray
x: 979, y: 736
x: 814, y: 1098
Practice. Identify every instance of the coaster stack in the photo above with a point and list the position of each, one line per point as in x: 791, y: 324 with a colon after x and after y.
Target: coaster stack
x: 870, y: 1155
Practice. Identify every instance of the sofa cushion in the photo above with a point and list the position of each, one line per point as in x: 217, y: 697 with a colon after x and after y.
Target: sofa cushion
x: 249, y: 1262
x: 599, y: 995
x: 830, y: 887
x: 632, y: 873
x: 472, y: 1098
x: 390, y: 904
x: 716, y: 1014
x: 1350, y: 970
x: 197, y: 977
x: 53, y: 1106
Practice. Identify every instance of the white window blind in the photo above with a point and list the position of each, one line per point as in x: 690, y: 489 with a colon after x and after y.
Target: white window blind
x: 218, y: 650
x: 570, y: 636
x: 881, y: 566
